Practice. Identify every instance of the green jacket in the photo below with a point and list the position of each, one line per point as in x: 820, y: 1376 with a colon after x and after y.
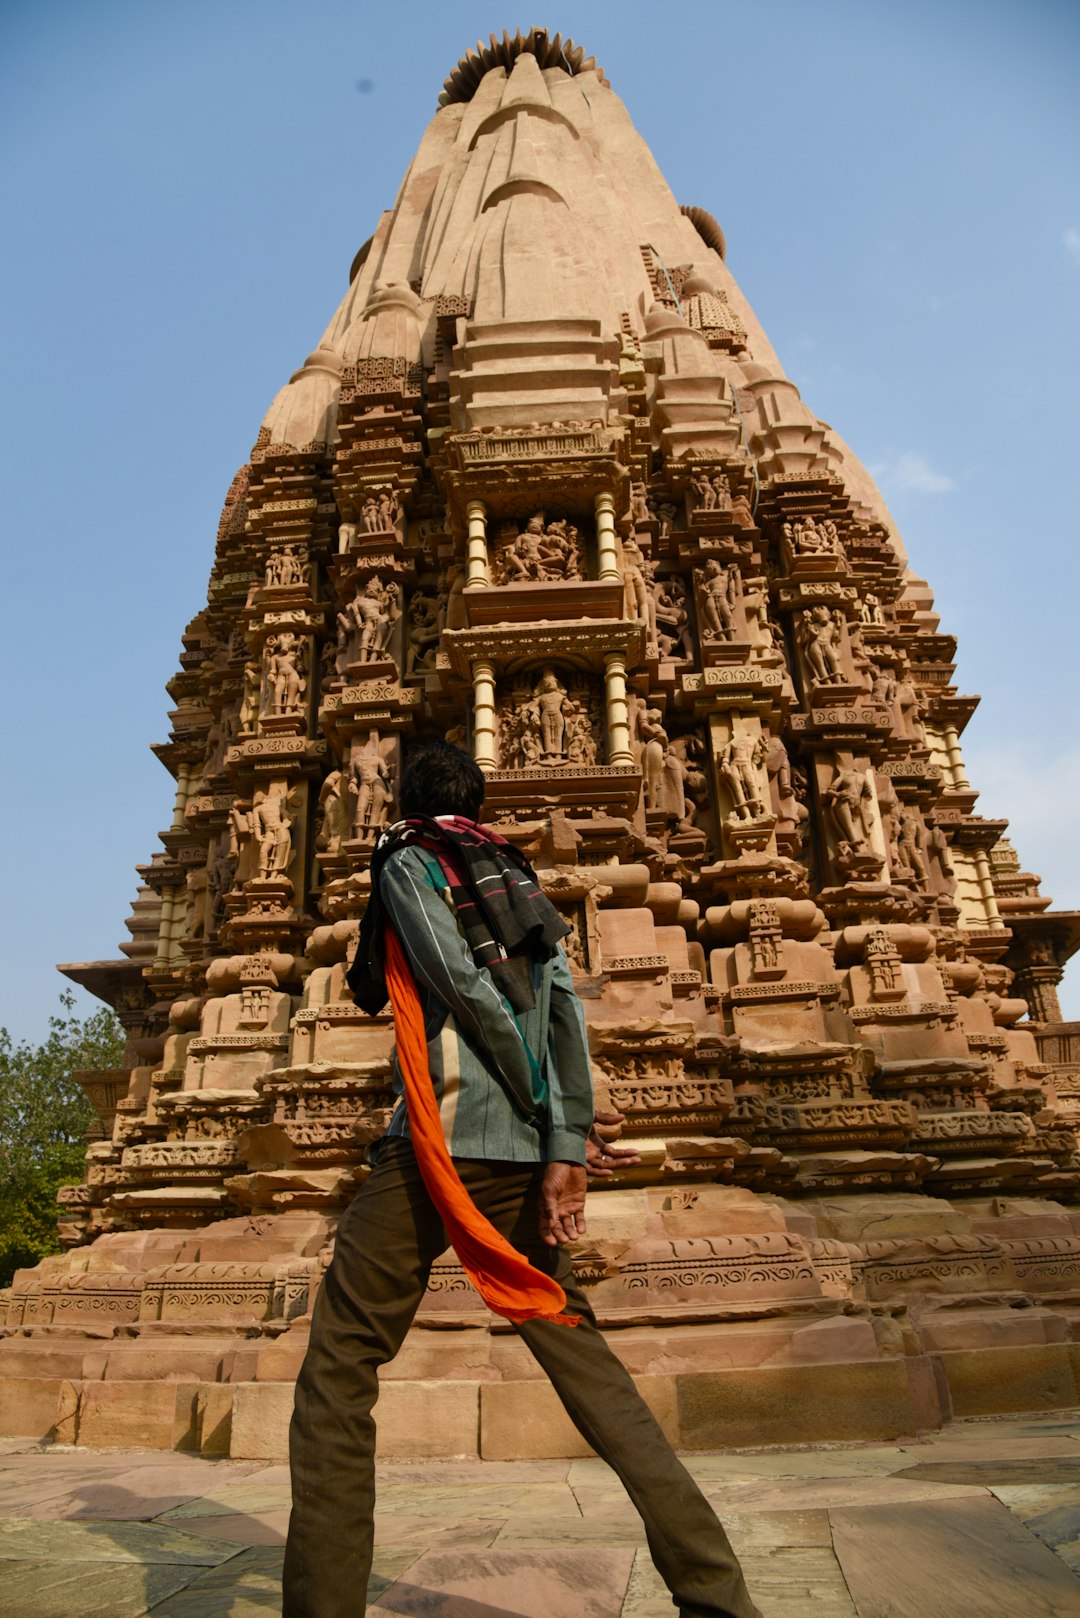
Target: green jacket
x: 511, y: 1087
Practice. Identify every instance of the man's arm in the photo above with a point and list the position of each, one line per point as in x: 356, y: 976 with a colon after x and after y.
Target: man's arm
x: 570, y: 1091
x: 443, y: 963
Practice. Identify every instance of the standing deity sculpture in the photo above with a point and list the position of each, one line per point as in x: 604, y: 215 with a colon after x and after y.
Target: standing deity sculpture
x: 271, y: 828
x: 251, y: 697
x: 333, y: 814
x: 850, y: 801
x: 739, y: 762
x: 370, y: 788
x: 551, y: 703
x: 909, y: 843
x: 284, y: 673
x: 654, y: 739
x: 870, y: 610
x: 718, y: 593
x: 638, y: 604
x: 822, y: 636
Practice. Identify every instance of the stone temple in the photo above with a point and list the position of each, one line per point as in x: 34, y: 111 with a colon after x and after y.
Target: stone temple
x: 543, y: 487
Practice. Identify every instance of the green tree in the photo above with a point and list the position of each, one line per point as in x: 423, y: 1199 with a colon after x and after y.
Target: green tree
x: 44, y: 1116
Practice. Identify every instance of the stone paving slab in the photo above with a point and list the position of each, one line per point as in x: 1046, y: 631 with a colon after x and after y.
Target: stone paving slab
x: 983, y: 1519
x: 969, y: 1557
x: 497, y: 1583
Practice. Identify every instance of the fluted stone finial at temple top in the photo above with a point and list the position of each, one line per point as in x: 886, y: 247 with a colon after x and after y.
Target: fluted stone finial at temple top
x: 543, y: 487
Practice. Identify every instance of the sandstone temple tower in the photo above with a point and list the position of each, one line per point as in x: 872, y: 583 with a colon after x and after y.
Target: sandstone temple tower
x: 543, y: 487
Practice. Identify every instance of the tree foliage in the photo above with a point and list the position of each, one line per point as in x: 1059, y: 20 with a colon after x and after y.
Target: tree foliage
x: 44, y: 1116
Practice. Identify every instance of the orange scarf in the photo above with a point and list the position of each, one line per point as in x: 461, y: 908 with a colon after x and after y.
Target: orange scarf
x: 504, y: 1278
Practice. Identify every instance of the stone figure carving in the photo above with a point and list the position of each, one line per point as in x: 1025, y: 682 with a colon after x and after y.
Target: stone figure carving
x: 251, y: 699
x: 637, y: 601
x: 655, y: 744
x: 822, y: 635
x: 334, y: 815
x: 765, y: 938
x: 710, y: 493
x: 425, y: 626
x: 639, y: 504
x: 220, y: 875
x: 366, y: 626
x: 718, y: 588
x: 809, y: 538
x: 381, y: 510
x: 369, y: 787
x: 882, y: 683
x: 870, y: 610
x: 285, y: 678
x: 910, y: 846
x: 674, y: 638
x: 938, y: 849
x: 739, y: 763
x: 791, y: 812
x: 911, y: 708
x: 284, y: 567
x: 882, y: 961
x: 545, y: 723
x: 552, y: 704
x: 541, y: 552
x: 850, y: 801
x: 271, y: 828
x: 346, y: 534
x: 666, y: 514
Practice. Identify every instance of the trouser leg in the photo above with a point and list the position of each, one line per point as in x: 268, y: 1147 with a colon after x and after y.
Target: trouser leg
x: 387, y: 1240
x: 691, y: 1551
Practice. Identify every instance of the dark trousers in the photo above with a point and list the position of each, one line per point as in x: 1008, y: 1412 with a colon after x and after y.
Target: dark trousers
x: 387, y: 1241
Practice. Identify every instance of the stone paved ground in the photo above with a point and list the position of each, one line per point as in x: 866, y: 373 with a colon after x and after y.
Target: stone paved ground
x: 980, y: 1521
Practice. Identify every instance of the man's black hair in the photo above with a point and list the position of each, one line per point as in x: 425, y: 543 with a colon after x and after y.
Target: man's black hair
x: 440, y: 779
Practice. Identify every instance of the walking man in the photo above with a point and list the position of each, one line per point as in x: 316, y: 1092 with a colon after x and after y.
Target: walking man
x: 488, y: 1148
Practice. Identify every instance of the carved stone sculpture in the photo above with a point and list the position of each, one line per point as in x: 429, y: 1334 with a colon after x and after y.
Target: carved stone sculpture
x: 850, y: 798
x: 285, y: 679
x: 822, y: 631
x: 718, y: 593
x: 740, y: 761
x: 541, y: 552
x: 369, y: 788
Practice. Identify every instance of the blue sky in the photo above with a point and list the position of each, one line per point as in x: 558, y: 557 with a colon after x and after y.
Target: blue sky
x: 184, y: 187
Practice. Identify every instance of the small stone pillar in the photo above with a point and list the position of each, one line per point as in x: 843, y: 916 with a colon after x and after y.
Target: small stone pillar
x: 607, y: 557
x: 981, y: 862
x: 484, y: 723
x: 956, y: 759
x: 618, y: 713
x: 478, y: 573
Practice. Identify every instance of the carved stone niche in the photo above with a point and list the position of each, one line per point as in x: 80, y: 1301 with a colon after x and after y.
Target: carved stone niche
x: 286, y: 684
x: 811, y: 548
x: 740, y: 754
x: 551, y: 719
x: 371, y: 631
x: 852, y: 818
x: 288, y: 577
x: 825, y: 653
x: 777, y: 983
x: 366, y: 791
x: 723, y: 632
x: 542, y: 549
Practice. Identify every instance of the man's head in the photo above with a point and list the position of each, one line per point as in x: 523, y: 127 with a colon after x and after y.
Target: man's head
x: 442, y: 780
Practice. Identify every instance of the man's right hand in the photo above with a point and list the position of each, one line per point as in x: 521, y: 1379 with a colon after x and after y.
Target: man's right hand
x: 562, y: 1204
